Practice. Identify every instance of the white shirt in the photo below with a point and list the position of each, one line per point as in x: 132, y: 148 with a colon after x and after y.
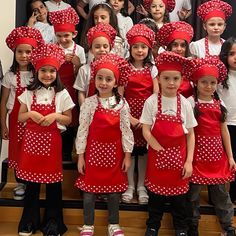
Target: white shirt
x: 197, y: 48
x: 47, y: 31
x: 179, y: 5
x: 93, y: 2
x: 53, y: 6
x: 9, y: 81
x: 125, y: 23
x: 228, y: 96
x: 63, y: 100
x: 169, y: 107
x: 87, y: 111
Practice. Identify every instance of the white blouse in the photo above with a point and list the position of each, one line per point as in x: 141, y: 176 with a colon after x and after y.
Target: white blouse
x: 54, y: 6
x: 47, y: 31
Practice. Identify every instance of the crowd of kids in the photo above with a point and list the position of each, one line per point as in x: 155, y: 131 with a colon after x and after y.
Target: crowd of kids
x: 149, y: 113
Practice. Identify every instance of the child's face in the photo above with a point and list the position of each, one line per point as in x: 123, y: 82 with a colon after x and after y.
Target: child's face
x: 169, y: 82
x: 117, y: 5
x: 40, y: 11
x: 139, y: 51
x: 232, y: 57
x: 101, y: 15
x: 65, y: 39
x: 206, y: 86
x: 157, y: 10
x: 215, y: 26
x: 105, y: 81
x: 179, y: 46
x: 100, y: 46
x: 47, y: 75
x: 22, y: 55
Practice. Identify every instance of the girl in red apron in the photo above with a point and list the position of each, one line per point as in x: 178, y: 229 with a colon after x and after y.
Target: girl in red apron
x: 21, y: 41
x: 141, y: 84
x: 175, y: 37
x: 64, y: 23
x: 213, y: 162
x: 168, y: 123
x: 104, y: 159
x: 46, y: 109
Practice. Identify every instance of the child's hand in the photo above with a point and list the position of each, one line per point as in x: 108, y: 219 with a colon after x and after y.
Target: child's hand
x: 158, y: 148
x: 126, y: 162
x: 36, y: 117
x: 76, y: 61
x: 33, y: 19
x: 69, y: 57
x: 182, y: 14
x: 187, y: 170
x: 81, y: 164
x: 4, y: 133
x: 48, y: 119
x: 232, y: 164
x: 135, y: 123
x: 141, y: 10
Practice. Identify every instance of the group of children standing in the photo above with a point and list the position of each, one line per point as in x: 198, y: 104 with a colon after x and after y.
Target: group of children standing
x: 146, y: 92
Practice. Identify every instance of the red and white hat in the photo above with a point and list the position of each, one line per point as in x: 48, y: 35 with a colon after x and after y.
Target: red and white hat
x: 117, y: 64
x: 174, y: 30
x: 209, y: 66
x: 48, y: 55
x: 64, y: 20
x: 101, y: 30
x: 173, y: 62
x: 140, y: 33
x: 170, y: 4
x: 214, y: 8
x: 24, y: 35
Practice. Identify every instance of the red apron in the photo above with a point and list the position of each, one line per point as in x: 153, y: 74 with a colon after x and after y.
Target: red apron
x: 67, y: 77
x: 41, y: 151
x: 16, y: 128
x: 210, y: 162
x: 104, y: 155
x: 91, y: 88
x: 139, y: 88
x: 164, y: 168
x: 186, y: 89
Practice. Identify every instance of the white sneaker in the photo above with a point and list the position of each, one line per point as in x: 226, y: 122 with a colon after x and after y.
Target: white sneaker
x: 87, y: 230
x: 19, y: 191
x: 115, y: 230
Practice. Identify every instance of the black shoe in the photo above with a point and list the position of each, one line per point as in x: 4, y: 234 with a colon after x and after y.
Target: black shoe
x: 26, y: 230
x: 52, y: 229
x: 193, y: 231
x: 151, y: 232
x: 180, y: 233
x: 230, y: 231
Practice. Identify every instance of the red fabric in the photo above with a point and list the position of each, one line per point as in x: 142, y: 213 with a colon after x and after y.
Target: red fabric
x: 110, y: 66
x: 164, y: 168
x: 104, y: 155
x: 66, y: 27
x: 140, y: 39
x: 206, y: 70
x: 186, y: 89
x: 48, y: 61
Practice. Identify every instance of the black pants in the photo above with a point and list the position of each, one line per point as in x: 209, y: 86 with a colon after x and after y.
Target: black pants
x: 156, y: 204
x: 53, y: 207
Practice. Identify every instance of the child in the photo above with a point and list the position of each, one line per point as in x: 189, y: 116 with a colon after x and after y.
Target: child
x: 21, y: 41
x: 141, y: 84
x: 213, y: 14
x: 213, y: 162
x: 46, y: 110
x: 104, y: 159
x: 64, y: 23
x: 227, y: 93
x: 100, y: 39
x: 181, y: 11
x: 175, y: 37
x: 168, y: 123
x: 39, y: 19
x: 56, y: 5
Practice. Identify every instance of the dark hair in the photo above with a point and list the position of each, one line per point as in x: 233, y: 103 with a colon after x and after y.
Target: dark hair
x: 224, y: 53
x: 197, y: 113
x: 150, y: 23
x: 187, y: 51
x: 124, y: 10
x: 116, y: 94
x: 36, y: 84
x: 90, y: 22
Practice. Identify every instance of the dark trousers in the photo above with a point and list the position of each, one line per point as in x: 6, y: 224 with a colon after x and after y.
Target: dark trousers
x: 156, y: 204
x: 53, y: 207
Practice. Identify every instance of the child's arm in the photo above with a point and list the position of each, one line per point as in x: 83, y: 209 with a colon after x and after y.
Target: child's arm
x: 81, y: 97
x: 227, y: 145
x: 126, y: 162
x: 81, y: 163
x: 188, y: 168
x: 3, y: 110
x: 150, y: 138
x: 80, y: 8
x: 75, y: 60
x: 130, y: 8
x: 155, y: 86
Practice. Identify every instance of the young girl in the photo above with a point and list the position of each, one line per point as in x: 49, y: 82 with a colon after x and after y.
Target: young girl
x: 21, y: 41
x: 175, y: 37
x: 39, y: 19
x: 141, y: 84
x: 213, y: 14
x: 227, y: 93
x: 213, y: 162
x: 104, y: 159
x: 46, y: 109
x: 168, y: 123
x: 100, y: 39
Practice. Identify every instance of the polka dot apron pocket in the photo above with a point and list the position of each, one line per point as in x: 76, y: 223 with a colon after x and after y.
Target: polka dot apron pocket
x: 38, y: 143
x: 169, y: 159
x: 102, y: 154
x: 209, y: 149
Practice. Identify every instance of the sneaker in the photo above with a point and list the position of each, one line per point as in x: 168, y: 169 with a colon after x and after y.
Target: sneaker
x: 51, y: 228
x: 87, y: 230
x: 26, y: 230
x: 230, y: 231
x: 19, y: 192
x: 151, y: 232
x: 115, y: 230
